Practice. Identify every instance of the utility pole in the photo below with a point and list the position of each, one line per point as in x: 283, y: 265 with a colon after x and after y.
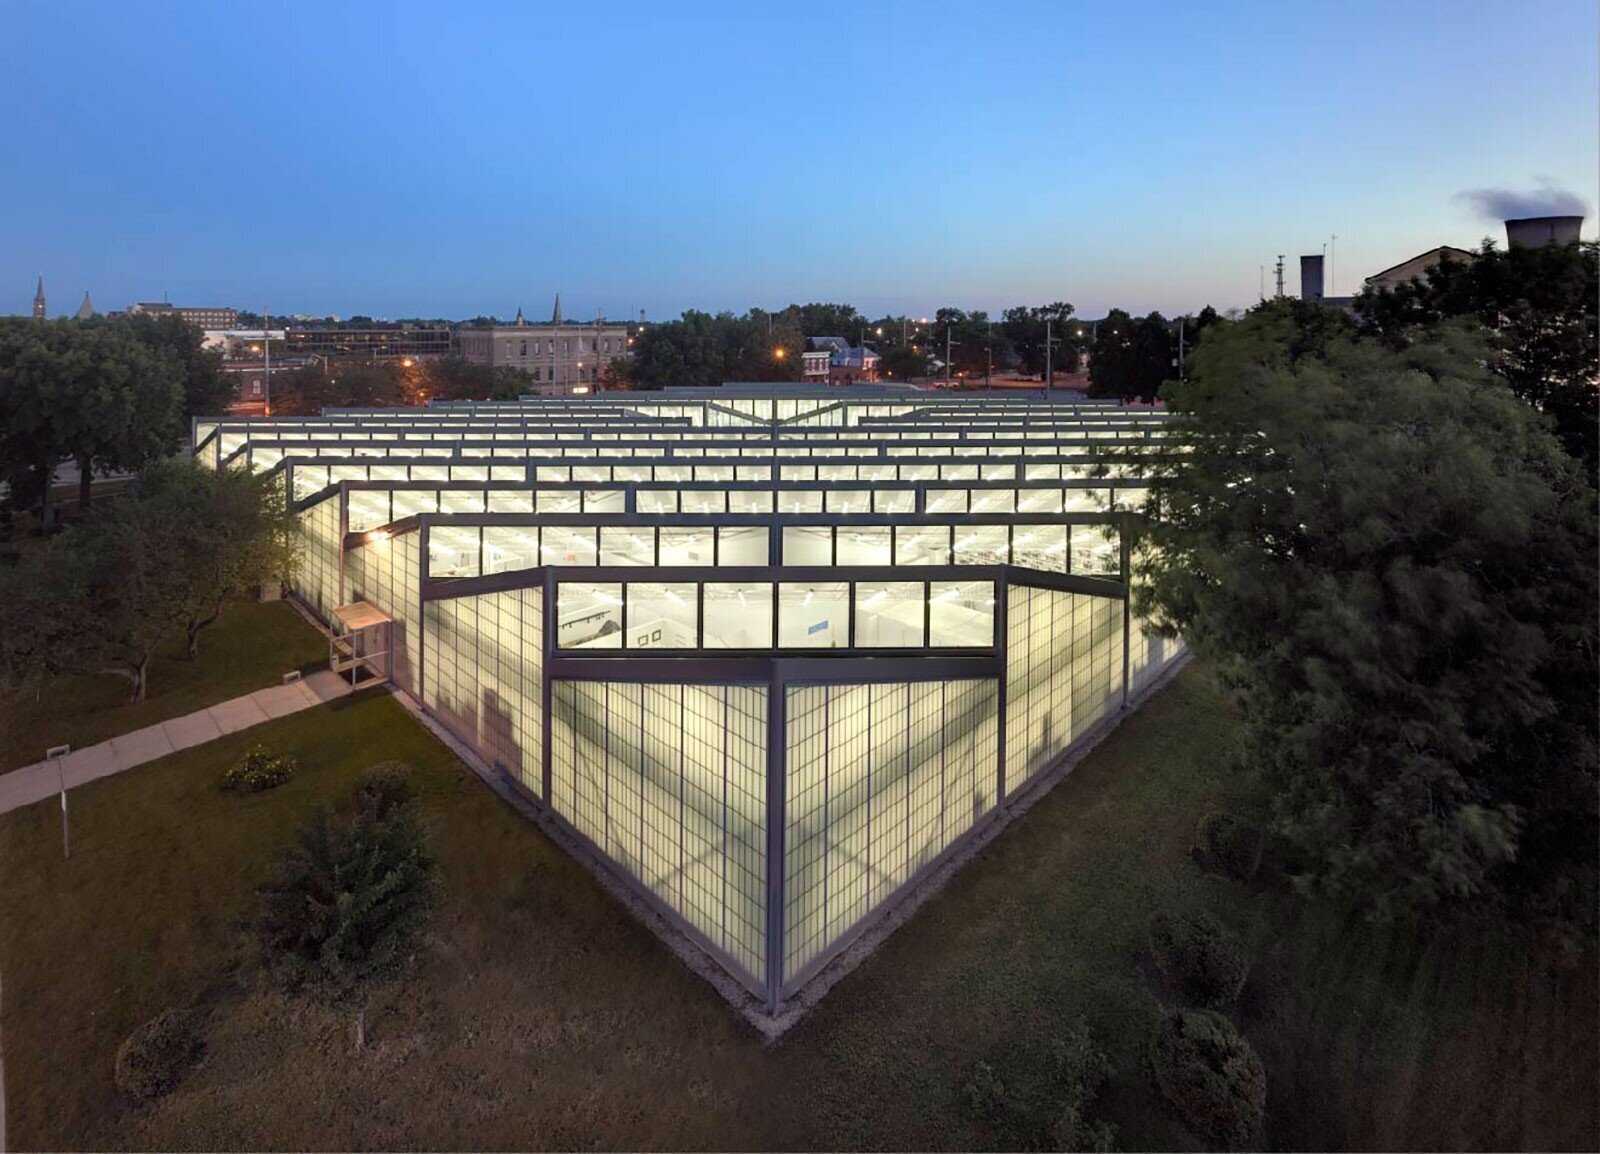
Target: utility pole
x: 948, y: 344
x: 1278, y: 269
x: 266, y: 348
x: 1049, y: 349
x: 989, y: 348
x: 1180, y: 347
x: 1332, y: 247
x: 1261, y: 282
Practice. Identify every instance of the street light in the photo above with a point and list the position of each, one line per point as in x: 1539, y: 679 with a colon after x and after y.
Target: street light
x: 778, y: 353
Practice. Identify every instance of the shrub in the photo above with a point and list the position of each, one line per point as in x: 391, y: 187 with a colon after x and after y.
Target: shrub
x: 1074, y: 1132
x: 1199, y: 957
x: 348, y: 898
x: 1232, y: 845
x: 985, y: 1093
x: 259, y: 771
x: 1211, y: 1075
x: 154, y: 1057
x: 1081, y: 1070
x: 384, y: 788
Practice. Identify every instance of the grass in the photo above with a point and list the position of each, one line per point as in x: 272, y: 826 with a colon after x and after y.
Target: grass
x: 541, y: 1015
x: 252, y: 645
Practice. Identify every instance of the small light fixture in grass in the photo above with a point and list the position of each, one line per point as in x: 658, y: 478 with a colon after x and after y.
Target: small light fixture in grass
x: 258, y: 771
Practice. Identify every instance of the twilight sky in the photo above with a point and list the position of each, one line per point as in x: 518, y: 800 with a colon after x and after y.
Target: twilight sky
x: 409, y: 159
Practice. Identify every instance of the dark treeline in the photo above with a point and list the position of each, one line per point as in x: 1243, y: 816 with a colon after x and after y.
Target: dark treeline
x: 704, y: 349
x: 111, y: 394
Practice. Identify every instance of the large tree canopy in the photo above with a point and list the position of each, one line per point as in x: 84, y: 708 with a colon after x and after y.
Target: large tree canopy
x: 1542, y: 309
x: 90, y: 392
x: 1392, y: 561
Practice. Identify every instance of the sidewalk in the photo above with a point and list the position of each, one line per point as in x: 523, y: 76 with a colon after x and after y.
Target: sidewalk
x: 43, y: 779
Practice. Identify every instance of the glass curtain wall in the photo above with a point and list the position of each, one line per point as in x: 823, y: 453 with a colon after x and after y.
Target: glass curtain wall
x: 879, y: 780
x: 385, y: 572
x: 670, y: 783
x: 1063, y: 674
x: 483, y: 662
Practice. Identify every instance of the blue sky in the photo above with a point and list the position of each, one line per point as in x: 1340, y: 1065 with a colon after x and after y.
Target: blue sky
x: 403, y: 159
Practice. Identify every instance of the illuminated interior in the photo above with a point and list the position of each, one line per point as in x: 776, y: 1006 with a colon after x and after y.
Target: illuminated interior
x: 769, y: 654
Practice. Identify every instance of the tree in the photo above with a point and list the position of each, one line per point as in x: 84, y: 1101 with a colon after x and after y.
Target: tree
x: 308, y: 390
x: 238, y: 535
x: 902, y: 363
x: 349, y: 898
x: 205, y: 391
x: 1028, y: 328
x: 85, y: 391
x: 1112, y: 367
x: 1391, y: 561
x: 45, y: 618
x: 1542, y: 307
x: 1154, y: 354
x: 141, y: 589
x: 617, y: 374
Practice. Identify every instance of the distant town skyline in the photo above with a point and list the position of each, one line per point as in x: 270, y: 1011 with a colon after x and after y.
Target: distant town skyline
x: 393, y: 160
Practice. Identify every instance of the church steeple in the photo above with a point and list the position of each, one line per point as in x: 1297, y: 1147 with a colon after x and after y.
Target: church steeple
x: 38, y: 300
x: 555, y: 317
x: 521, y: 321
x: 86, y: 309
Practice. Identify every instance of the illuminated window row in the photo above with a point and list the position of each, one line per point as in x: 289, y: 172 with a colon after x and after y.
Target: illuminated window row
x: 373, y: 508
x: 471, y: 550
x: 810, y: 615
x: 1092, y: 550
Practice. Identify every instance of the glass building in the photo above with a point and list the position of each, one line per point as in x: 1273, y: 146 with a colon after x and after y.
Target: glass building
x: 770, y: 653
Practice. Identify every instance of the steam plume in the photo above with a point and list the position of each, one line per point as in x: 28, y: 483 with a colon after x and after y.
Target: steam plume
x: 1509, y: 204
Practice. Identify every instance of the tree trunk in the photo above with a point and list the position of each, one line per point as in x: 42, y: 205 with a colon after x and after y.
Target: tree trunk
x: 85, y: 484
x: 44, y: 501
x: 361, y: 1028
x: 140, y: 679
x: 194, y: 627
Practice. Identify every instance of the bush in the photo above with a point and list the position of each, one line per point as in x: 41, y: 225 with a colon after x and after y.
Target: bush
x: 1232, y: 845
x: 384, y: 788
x: 154, y: 1057
x: 1198, y: 957
x: 259, y: 771
x: 348, y: 898
x: 1081, y: 1071
x: 1211, y: 1075
x: 985, y: 1093
x: 1074, y: 1132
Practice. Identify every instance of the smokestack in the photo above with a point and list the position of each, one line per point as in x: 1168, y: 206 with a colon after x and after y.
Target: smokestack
x: 1311, y: 277
x: 1537, y: 231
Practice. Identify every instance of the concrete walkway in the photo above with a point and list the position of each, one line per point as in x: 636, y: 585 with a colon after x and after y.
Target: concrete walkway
x: 43, y: 779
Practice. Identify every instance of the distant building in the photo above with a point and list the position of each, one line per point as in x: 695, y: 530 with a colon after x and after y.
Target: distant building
x: 557, y: 354
x: 847, y: 365
x: 370, y: 344
x: 815, y: 362
x: 86, y: 309
x: 1416, y: 268
x: 205, y: 318
x: 38, y: 301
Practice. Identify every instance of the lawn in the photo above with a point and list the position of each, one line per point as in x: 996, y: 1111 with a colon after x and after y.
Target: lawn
x: 539, y: 1014
x: 252, y: 645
